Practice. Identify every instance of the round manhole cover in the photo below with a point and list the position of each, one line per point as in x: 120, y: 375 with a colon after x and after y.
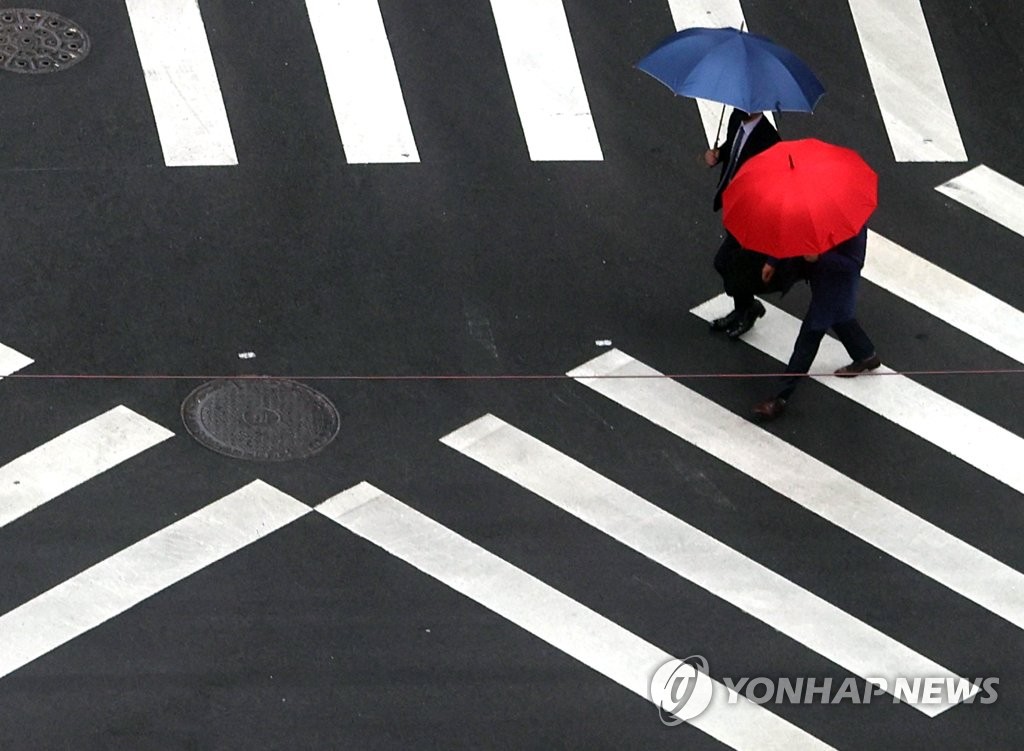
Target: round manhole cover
x: 268, y: 420
x: 37, y: 41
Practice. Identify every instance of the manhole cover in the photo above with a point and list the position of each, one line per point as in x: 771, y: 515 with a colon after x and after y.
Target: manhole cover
x: 268, y: 420
x: 37, y: 41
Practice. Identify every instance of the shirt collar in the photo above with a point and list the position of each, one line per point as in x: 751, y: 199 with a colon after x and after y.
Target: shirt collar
x: 749, y: 126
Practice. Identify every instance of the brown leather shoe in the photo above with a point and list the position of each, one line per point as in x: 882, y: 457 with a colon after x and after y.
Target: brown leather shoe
x: 856, y: 368
x: 770, y: 408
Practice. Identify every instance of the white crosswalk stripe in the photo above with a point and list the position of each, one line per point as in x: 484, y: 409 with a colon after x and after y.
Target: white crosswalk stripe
x: 808, y: 482
x: 125, y: 579
x: 945, y: 296
x: 916, y: 408
x: 190, y: 116
x: 908, y: 82
x: 362, y: 80
x: 546, y: 80
x: 990, y: 194
x: 547, y: 613
x: 74, y: 457
x: 691, y: 553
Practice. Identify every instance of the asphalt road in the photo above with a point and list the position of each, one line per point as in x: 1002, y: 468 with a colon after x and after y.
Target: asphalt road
x: 475, y: 261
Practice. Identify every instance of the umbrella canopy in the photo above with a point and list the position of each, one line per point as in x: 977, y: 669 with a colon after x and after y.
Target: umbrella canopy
x: 748, y: 71
x: 799, y: 198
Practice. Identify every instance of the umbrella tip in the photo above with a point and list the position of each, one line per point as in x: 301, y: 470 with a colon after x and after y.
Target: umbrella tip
x: 791, y: 165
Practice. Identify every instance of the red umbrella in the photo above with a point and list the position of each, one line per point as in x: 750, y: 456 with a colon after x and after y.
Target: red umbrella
x: 799, y: 198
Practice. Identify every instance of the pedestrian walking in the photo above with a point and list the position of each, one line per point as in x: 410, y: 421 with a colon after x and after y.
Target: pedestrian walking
x: 744, y: 272
x: 834, y: 277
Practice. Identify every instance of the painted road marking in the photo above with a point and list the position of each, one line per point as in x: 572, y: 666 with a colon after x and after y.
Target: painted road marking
x: 941, y: 421
x: 190, y: 116
x: 807, y: 481
x: 546, y: 80
x: 74, y: 457
x: 362, y: 80
x: 907, y: 80
x: 546, y: 613
x: 945, y: 296
x: 140, y: 571
x: 990, y: 194
x: 11, y: 361
x: 692, y: 554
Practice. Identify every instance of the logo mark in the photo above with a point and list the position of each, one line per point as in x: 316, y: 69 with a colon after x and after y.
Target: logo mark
x: 681, y: 689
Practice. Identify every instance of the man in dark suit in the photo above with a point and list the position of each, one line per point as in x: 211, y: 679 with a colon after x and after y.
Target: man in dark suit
x: 834, y: 277
x: 744, y: 272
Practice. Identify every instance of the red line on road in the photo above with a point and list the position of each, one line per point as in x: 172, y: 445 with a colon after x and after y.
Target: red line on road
x: 482, y: 376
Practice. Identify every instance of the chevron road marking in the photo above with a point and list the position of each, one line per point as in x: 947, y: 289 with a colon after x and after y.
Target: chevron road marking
x: 941, y: 421
x: 11, y: 361
x: 908, y: 82
x: 990, y: 194
x: 362, y: 80
x: 125, y: 579
x: 74, y: 457
x: 548, y: 614
x: 803, y: 479
x: 190, y: 116
x: 693, y: 555
x: 945, y: 296
x: 546, y: 80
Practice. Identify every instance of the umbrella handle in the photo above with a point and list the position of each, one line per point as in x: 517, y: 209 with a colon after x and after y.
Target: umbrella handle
x: 721, y: 117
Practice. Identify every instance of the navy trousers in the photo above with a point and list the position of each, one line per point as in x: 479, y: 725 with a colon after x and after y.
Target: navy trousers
x: 852, y: 336
x: 833, y: 301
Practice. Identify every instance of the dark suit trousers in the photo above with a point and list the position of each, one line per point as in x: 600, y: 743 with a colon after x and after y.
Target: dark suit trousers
x: 740, y: 270
x: 852, y: 336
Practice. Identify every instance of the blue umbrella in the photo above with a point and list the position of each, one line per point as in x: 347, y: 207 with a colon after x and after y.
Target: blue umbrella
x: 730, y: 66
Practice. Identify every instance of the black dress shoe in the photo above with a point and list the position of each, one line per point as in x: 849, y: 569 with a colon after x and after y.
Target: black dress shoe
x: 770, y: 408
x: 726, y: 322
x: 859, y: 366
x: 746, y: 321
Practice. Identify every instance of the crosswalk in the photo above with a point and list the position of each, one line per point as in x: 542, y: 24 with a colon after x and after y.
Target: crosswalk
x: 140, y: 571
x: 990, y: 194
x: 110, y: 588
x: 184, y: 91
x: 550, y: 91
x: 539, y: 52
x: 905, y: 402
x: 945, y: 296
x: 72, y: 458
x: 369, y: 107
x: 907, y: 80
x: 548, y: 614
x: 688, y: 552
x: 807, y: 481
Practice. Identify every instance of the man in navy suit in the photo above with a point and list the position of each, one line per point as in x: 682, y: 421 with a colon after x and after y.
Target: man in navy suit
x: 834, y: 277
x: 743, y: 271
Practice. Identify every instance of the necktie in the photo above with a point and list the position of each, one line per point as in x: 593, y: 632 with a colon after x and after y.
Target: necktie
x: 734, y: 155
